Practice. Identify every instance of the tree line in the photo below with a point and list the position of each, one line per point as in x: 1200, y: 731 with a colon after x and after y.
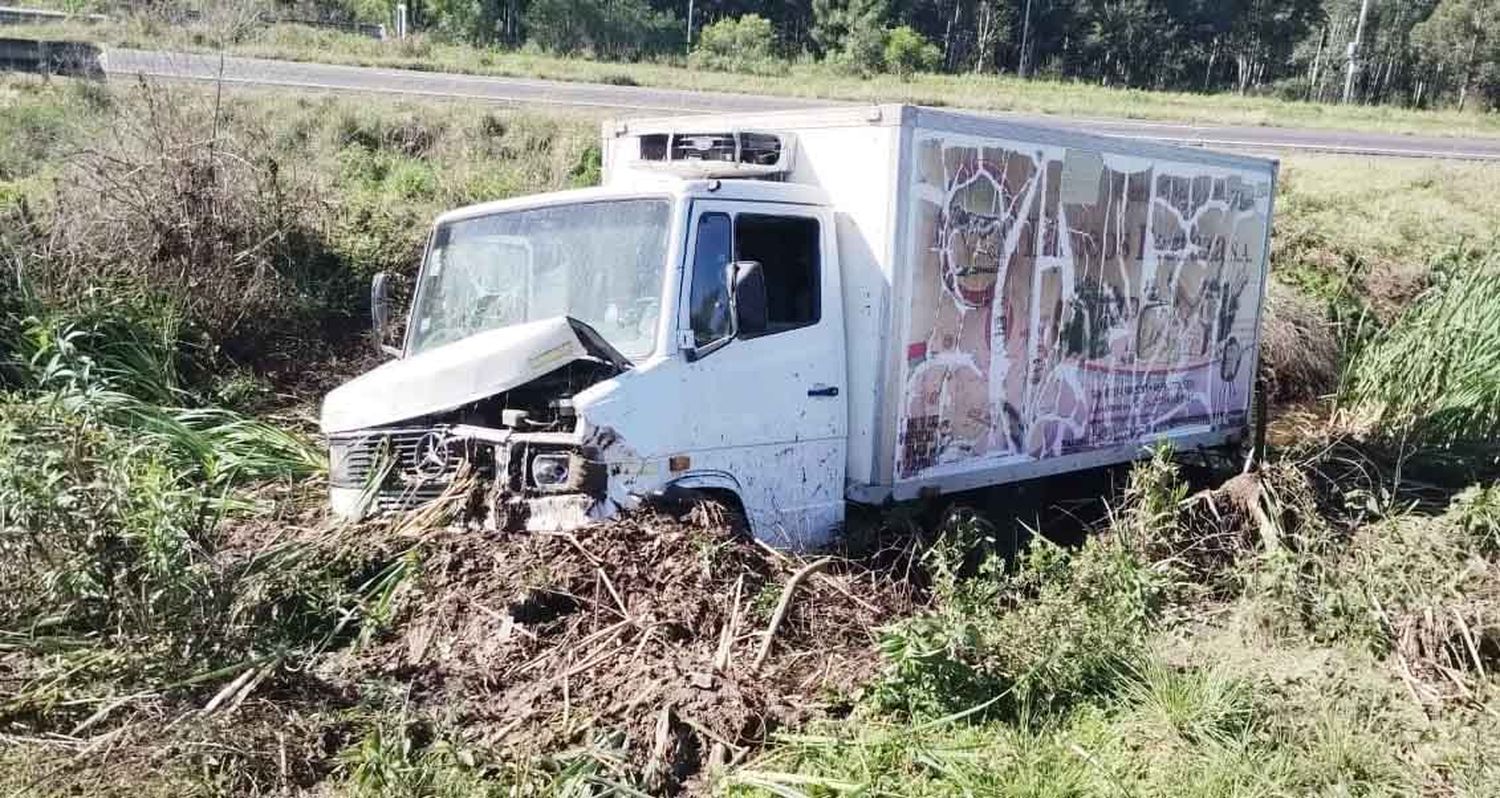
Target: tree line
x: 1417, y: 53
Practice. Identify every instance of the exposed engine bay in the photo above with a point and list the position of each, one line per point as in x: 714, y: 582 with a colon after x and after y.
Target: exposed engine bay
x: 522, y: 445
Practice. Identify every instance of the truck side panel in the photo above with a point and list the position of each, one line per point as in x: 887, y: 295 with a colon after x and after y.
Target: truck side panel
x: 857, y: 167
x: 1062, y: 305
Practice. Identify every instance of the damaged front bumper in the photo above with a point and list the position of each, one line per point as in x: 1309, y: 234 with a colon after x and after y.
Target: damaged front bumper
x: 542, y: 481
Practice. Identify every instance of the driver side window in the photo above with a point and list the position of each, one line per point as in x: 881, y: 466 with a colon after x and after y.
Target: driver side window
x: 708, y: 303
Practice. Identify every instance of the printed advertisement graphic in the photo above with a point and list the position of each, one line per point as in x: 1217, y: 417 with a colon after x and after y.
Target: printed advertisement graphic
x: 1065, y: 301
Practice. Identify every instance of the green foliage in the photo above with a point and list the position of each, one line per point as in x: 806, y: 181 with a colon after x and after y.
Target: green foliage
x: 399, y: 755
x: 394, y: 759
x: 851, y: 33
x: 472, y: 21
x: 32, y: 130
x: 1423, y: 588
x: 1221, y: 729
x: 616, y: 29
x: 110, y: 514
x: 1197, y: 706
x: 589, y: 170
x: 907, y: 53
x: 980, y: 645
x: 1433, y: 376
x: 97, y: 530
x: 375, y: 11
x: 739, y: 44
x: 1464, y: 36
x: 863, y: 52
x: 1099, y: 603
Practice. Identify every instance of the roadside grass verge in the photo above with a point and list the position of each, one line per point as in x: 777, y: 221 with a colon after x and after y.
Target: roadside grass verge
x: 182, y: 274
x: 1356, y: 241
x: 1348, y: 649
x: 802, y: 79
x: 1363, y: 232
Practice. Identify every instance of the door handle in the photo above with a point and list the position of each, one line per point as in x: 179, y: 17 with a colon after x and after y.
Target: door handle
x: 823, y: 390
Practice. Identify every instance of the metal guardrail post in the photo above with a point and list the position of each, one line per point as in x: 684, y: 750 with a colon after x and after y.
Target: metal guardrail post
x: 48, y: 58
x: 13, y: 15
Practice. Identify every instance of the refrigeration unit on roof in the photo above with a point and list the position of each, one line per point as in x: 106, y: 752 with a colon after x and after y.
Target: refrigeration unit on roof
x: 723, y: 154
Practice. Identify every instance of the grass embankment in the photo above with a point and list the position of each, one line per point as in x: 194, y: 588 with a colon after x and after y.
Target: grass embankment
x: 177, y: 617
x: 800, y: 79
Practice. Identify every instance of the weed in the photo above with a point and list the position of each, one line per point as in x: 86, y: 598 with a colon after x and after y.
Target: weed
x: 981, y: 644
x: 1299, y: 355
x: 1200, y: 706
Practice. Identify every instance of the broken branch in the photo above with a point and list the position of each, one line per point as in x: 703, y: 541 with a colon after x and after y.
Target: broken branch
x: 782, y: 606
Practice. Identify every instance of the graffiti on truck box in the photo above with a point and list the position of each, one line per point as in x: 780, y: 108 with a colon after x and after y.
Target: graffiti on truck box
x: 1064, y: 301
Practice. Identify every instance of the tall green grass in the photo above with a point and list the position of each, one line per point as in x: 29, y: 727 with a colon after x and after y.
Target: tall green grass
x: 118, y: 485
x: 1433, y: 376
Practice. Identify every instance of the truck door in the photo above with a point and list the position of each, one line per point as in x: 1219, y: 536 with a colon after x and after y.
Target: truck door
x: 768, y: 409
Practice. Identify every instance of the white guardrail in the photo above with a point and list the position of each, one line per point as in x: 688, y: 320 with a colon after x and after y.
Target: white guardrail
x: 11, y: 15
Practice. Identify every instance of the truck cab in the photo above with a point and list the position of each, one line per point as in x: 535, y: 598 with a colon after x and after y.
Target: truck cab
x: 585, y: 350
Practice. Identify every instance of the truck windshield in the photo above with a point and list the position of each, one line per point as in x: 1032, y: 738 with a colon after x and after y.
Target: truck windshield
x: 599, y: 262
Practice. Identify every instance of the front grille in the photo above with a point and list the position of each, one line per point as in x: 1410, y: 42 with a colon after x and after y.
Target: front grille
x: 417, y: 464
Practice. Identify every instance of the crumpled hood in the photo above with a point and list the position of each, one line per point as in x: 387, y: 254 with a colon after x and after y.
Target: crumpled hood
x: 464, y: 371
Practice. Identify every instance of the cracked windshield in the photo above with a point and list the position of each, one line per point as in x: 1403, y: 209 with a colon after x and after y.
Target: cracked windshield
x: 601, y: 263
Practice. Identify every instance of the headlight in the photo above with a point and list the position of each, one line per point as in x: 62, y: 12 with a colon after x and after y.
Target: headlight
x: 549, y: 471
x: 338, y: 464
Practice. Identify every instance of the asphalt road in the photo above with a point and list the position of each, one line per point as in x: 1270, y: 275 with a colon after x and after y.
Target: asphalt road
x: 638, y: 101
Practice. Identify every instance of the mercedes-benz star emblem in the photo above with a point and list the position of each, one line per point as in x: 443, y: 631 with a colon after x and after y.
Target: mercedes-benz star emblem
x: 431, y: 455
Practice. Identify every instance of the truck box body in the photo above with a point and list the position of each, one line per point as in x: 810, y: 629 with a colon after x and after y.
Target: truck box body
x: 1021, y: 301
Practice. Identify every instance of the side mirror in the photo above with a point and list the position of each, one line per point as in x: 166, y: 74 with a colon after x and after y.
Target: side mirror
x: 748, y: 293
x: 380, y: 312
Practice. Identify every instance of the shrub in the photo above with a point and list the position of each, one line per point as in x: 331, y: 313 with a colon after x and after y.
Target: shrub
x: 186, y: 208
x: 1055, y: 628
x: 743, y: 44
x: 907, y: 52
x: 109, y: 515
x: 95, y: 530
x: 863, y: 52
x: 1425, y: 588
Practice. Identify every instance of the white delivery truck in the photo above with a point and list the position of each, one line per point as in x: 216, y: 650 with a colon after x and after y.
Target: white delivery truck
x: 788, y: 311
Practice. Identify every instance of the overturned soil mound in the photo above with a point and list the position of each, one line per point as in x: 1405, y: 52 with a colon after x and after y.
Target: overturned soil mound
x: 647, y: 626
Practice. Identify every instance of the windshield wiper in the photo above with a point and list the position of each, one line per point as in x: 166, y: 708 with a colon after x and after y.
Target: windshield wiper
x: 597, y: 346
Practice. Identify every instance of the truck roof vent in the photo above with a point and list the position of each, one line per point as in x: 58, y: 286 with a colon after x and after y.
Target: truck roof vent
x: 735, y: 153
